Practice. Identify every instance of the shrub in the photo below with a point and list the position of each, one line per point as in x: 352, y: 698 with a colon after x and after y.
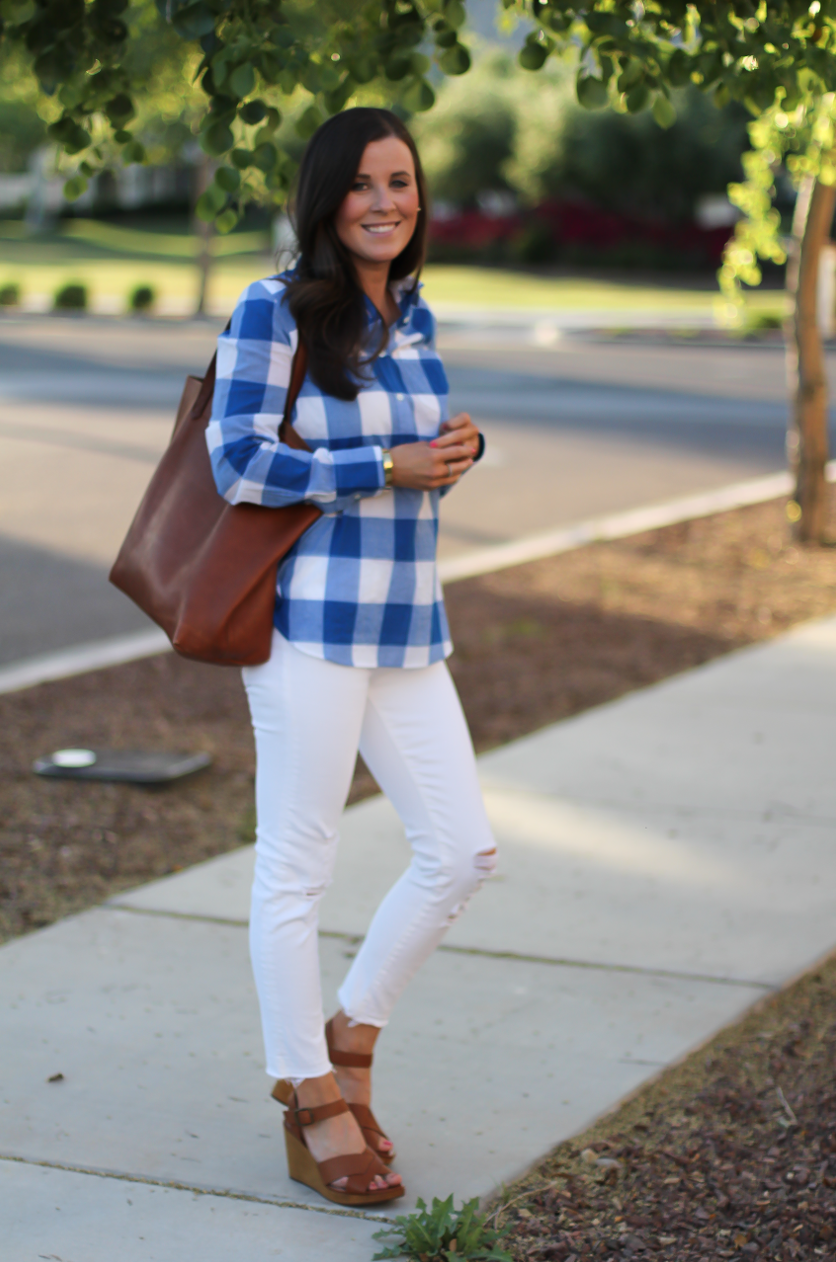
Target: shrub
x: 758, y: 321
x: 9, y: 295
x: 142, y: 299
x: 502, y: 128
x: 72, y: 297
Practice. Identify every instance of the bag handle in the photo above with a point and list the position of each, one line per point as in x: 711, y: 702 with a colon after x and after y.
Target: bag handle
x: 298, y: 369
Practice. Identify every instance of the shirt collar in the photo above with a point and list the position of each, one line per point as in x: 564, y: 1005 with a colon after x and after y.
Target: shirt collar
x: 405, y: 292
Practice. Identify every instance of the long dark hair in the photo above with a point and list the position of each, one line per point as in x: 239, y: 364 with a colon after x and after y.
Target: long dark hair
x: 324, y: 296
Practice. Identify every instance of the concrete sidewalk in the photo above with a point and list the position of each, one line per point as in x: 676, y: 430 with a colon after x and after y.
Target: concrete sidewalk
x: 666, y: 860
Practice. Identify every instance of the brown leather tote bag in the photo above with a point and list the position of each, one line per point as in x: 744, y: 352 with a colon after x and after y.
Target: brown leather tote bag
x: 205, y: 570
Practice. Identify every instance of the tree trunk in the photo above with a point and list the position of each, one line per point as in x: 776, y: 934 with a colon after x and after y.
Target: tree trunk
x: 807, y: 438
x: 205, y: 232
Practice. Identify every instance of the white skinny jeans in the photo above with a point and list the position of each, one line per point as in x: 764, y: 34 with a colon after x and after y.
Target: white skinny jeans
x: 309, y: 717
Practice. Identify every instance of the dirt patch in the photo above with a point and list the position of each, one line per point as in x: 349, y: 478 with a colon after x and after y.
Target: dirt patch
x: 533, y: 644
x: 731, y: 1154
x: 542, y: 641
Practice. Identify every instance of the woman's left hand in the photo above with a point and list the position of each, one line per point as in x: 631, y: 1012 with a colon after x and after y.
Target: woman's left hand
x: 458, y: 430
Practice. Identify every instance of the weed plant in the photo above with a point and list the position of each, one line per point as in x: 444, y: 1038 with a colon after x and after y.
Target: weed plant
x: 443, y: 1234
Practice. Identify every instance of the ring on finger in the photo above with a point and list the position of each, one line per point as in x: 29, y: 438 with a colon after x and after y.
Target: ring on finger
x: 449, y: 469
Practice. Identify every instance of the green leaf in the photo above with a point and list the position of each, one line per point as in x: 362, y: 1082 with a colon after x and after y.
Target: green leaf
x: 418, y: 96
x: 242, y: 81
x: 70, y: 135
x: 454, y: 13
x: 210, y: 203
x: 607, y: 24
x: 133, y: 152
x: 663, y: 111
x: 592, y: 92
x: 307, y: 124
x: 329, y: 76
x: 119, y: 109
x: 74, y: 187
x: 409, y: 35
x: 398, y: 67
x: 632, y: 74
x: 122, y: 137
x: 362, y: 69
x: 456, y: 60
x: 193, y: 21
x: 532, y: 56
x: 335, y: 101
x: 710, y: 65
x: 679, y: 69
x: 265, y: 155
x: 228, y: 178
x: 445, y: 36
x: 309, y: 77
x: 637, y: 98
x: 253, y: 112
x: 270, y: 66
x: 216, y: 139
x: 241, y: 158
x: 419, y: 64
x: 227, y: 220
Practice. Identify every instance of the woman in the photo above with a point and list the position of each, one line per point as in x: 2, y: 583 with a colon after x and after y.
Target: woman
x: 360, y: 629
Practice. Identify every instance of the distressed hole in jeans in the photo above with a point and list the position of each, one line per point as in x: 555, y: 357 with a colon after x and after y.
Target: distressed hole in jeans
x: 485, y: 864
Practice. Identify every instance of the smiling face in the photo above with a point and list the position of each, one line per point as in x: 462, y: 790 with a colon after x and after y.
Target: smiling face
x: 378, y: 215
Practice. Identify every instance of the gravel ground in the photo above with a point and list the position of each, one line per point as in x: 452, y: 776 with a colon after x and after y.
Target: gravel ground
x: 533, y: 644
x: 730, y: 1154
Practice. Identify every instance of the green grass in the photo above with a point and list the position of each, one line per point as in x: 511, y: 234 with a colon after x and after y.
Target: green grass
x: 112, y: 260
x: 470, y: 287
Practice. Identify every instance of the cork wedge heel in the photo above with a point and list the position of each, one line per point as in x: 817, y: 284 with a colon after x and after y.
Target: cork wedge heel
x: 366, y: 1120
x: 358, y: 1169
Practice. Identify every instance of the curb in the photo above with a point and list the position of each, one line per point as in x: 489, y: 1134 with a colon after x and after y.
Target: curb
x: 128, y: 648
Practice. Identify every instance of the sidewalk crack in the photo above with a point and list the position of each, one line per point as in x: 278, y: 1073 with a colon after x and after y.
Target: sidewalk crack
x: 354, y: 939
x: 195, y: 1188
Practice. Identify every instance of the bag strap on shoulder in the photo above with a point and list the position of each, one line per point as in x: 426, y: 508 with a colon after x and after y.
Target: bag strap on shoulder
x: 298, y: 369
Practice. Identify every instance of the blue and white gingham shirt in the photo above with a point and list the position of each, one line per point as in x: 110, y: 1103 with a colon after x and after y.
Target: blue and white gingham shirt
x: 360, y: 587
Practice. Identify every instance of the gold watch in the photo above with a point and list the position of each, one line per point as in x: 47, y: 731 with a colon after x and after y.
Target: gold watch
x: 388, y: 467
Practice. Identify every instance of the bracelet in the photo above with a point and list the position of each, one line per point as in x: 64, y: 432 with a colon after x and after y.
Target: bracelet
x: 388, y: 467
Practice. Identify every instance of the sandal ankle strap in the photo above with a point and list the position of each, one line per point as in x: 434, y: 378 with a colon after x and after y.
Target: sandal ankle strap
x: 349, y: 1060
x: 319, y: 1113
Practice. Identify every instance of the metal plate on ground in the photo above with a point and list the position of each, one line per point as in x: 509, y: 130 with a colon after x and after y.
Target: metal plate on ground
x: 132, y: 766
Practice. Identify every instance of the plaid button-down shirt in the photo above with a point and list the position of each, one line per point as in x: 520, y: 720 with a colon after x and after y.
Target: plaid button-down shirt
x: 360, y: 587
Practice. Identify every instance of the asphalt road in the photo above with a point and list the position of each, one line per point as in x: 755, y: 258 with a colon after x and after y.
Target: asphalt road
x: 575, y: 429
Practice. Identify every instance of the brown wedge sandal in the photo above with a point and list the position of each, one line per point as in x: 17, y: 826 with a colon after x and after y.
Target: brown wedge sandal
x: 366, y: 1120
x: 368, y: 1123
x: 358, y: 1168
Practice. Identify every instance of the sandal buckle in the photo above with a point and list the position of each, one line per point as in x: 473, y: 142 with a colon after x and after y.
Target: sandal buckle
x: 307, y: 1120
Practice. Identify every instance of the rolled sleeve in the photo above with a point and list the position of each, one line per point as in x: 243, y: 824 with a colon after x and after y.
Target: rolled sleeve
x: 249, y: 462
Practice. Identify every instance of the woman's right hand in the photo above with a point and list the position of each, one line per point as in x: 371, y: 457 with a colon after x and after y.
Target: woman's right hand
x: 424, y: 467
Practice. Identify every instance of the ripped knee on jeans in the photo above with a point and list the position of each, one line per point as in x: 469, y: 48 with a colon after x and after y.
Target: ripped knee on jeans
x: 484, y: 861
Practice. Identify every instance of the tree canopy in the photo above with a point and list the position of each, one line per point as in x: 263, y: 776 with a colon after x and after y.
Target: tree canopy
x: 252, y: 58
